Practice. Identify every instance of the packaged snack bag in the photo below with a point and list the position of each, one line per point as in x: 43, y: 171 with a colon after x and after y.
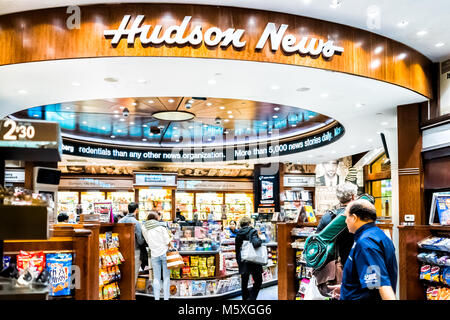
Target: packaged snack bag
x: 59, y: 267
x: 186, y: 272
x: 202, y: 262
x: 425, y: 272
x: 6, y: 261
x: 210, y: 261
x: 203, y: 272
x: 186, y: 261
x: 435, y: 271
x: 23, y: 261
x: 446, y: 275
x: 194, y: 261
x: 194, y: 272
x: 211, y: 271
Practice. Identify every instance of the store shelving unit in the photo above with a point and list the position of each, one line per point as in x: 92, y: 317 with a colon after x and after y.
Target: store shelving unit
x: 155, y: 199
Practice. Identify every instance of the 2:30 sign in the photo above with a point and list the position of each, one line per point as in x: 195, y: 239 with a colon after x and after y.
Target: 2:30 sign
x: 18, y: 131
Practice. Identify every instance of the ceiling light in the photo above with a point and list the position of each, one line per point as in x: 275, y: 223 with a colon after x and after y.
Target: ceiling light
x: 84, y: 122
x: 35, y: 115
x: 176, y: 135
x: 324, y: 95
x: 275, y: 87
x: 229, y: 112
x: 209, y: 139
x: 150, y: 134
x: 226, y: 132
x: 191, y: 101
x: 275, y: 116
x: 21, y: 91
x: 67, y: 108
x: 359, y: 105
x: 335, y: 4
x: 119, y: 131
x: 205, y: 126
x: 117, y: 111
x: 134, y: 104
x: 401, y: 56
x: 439, y: 44
x: 209, y: 104
x: 402, y: 23
x: 103, y: 128
x: 212, y: 82
x: 144, y: 125
x: 226, y: 120
x: 311, y: 116
x: 378, y: 50
x: 293, y: 125
x: 76, y: 84
x: 175, y: 128
x: 276, y: 108
x: 173, y: 115
x: 144, y: 139
x: 270, y: 132
x: 375, y: 64
x: 231, y: 116
x: 303, y: 89
x: 171, y: 100
x: 72, y: 116
x: 122, y: 119
x: 248, y: 129
x: 422, y: 33
x: 191, y: 127
x: 131, y: 123
x: 264, y: 123
x: 151, y: 101
x: 222, y: 108
x: 113, y: 137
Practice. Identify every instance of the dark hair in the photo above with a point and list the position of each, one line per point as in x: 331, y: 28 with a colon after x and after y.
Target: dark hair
x: 363, y: 212
x: 62, y: 217
x: 232, y: 221
x: 152, y: 216
x: 132, y: 207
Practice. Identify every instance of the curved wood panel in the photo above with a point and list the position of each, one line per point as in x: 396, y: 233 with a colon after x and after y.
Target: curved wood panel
x: 43, y: 35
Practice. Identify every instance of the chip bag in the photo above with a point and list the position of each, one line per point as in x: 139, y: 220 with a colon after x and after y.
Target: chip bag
x: 59, y: 267
x: 202, y: 262
x: 211, y: 271
x: 194, y: 261
x: 186, y: 261
x: 186, y: 272
x: 194, y: 272
x: 210, y: 261
x: 203, y: 272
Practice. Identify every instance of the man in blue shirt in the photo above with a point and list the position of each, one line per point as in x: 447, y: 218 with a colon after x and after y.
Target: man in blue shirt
x: 370, y: 272
x: 133, y: 210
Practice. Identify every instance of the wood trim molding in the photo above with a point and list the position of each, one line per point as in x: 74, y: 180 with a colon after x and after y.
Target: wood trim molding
x: 43, y: 35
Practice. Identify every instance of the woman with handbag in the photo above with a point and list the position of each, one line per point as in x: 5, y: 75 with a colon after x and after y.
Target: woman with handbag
x: 159, y: 241
x: 248, y: 233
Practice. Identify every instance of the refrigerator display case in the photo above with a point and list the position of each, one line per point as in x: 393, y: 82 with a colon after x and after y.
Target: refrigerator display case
x: 209, y: 202
x: 238, y: 205
x: 89, y: 198
x: 185, y: 202
x: 67, y: 203
x: 120, y: 200
x: 155, y: 200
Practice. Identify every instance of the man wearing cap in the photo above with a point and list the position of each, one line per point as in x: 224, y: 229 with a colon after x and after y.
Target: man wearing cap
x: 370, y: 272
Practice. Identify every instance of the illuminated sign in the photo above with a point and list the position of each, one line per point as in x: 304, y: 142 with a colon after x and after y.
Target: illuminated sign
x: 155, y: 179
x: 214, y: 36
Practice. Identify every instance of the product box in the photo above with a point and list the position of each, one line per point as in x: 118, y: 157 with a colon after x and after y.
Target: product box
x: 211, y: 286
x: 198, y: 288
x: 174, y: 288
x: 185, y: 288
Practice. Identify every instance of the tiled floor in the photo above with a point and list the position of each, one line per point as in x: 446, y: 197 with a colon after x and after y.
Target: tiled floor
x: 269, y: 293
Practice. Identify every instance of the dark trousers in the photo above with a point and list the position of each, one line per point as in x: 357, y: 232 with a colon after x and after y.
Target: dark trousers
x: 253, y: 293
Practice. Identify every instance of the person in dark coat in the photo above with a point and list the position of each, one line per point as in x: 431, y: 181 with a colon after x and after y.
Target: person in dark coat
x: 247, y: 232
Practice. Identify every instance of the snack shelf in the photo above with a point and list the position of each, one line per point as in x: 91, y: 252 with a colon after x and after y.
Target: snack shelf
x: 193, y: 252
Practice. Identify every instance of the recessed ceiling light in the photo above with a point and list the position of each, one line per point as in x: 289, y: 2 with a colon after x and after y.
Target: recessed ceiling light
x: 134, y: 104
x: 171, y: 100
x: 84, y: 122
x: 276, y: 108
x: 191, y: 127
x: 211, y: 82
x: 275, y: 116
x: 209, y: 139
x: 205, y: 126
x: 378, y: 50
x: 324, y: 95
x: 270, y: 132
x: 402, y: 23
x: 131, y: 123
x: 231, y: 116
x: 422, y: 33
x: 113, y: 137
x: 67, y: 108
x: 401, y: 56
x: 176, y: 135
x: 103, y: 128
x: 222, y: 108
x: 175, y: 128
x: 35, y: 115
x: 439, y: 44
x: 311, y: 116
x: 229, y: 112
x: 226, y: 120
x: 144, y: 139
x: 144, y: 125
x: 21, y: 91
x: 335, y: 4
x: 117, y: 111
x: 111, y: 79
x: 151, y: 101
x: 375, y: 64
x: 248, y: 129
x: 122, y: 119
x: 119, y: 131
x: 191, y: 101
x: 209, y: 104
x: 293, y: 125
x: 275, y: 87
x: 76, y: 84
